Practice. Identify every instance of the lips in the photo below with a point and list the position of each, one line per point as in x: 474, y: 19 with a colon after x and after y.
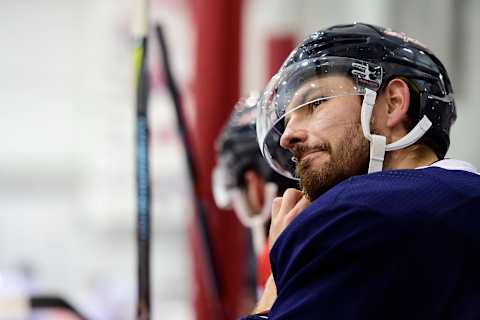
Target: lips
x: 310, y: 154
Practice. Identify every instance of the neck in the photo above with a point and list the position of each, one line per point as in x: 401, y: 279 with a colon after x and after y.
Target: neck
x: 417, y: 155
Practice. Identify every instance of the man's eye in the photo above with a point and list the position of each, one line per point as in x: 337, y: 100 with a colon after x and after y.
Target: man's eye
x: 313, y: 105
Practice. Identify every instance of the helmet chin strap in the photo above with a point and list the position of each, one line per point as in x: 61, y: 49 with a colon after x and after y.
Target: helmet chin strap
x: 255, y: 221
x: 378, y: 143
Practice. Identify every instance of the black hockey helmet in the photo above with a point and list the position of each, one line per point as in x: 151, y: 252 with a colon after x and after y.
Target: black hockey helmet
x: 399, y: 56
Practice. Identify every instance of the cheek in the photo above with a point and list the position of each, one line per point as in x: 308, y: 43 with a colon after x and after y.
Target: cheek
x: 331, y: 124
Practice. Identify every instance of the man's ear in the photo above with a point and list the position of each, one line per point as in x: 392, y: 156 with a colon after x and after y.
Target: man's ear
x: 254, y: 186
x: 397, y: 96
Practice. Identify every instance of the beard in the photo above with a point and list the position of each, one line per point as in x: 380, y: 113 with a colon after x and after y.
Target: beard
x: 349, y: 158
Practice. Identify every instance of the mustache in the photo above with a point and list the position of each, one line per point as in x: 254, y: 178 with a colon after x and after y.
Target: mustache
x: 299, y: 151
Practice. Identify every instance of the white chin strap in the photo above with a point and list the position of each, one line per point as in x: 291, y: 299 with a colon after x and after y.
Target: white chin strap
x: 378, y: 143
x: 255, y: 221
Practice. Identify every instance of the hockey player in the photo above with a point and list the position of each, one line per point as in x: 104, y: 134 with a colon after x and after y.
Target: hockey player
x: 384, y: 226
x: 243, y: 180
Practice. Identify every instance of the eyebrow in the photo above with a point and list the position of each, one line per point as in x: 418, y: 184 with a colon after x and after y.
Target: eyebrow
x: 305, y: 95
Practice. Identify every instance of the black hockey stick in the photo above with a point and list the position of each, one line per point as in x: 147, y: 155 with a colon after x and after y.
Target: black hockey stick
x: 143, y: 311
x: 199, y: 207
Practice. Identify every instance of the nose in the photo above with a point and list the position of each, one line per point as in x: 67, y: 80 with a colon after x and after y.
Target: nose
x: 294, y: 133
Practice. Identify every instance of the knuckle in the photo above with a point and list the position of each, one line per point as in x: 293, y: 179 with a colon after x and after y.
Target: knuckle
x: 277, y: 201
x: 290, y: 192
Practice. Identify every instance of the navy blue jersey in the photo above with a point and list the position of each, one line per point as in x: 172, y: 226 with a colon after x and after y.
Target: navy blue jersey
x: 399, y: 244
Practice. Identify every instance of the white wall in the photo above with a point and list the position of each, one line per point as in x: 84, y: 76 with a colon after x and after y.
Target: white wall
x: 67, y: 202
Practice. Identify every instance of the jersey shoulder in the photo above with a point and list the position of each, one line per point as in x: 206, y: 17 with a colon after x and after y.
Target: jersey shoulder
x: 406, y: 191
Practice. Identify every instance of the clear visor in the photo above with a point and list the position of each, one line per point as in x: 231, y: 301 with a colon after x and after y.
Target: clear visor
x: 306, y: 84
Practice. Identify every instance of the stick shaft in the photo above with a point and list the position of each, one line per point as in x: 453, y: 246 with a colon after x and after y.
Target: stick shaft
x: 140, y: 28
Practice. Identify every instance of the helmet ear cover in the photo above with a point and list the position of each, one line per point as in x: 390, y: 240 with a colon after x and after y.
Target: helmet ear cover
x: 432, y: 106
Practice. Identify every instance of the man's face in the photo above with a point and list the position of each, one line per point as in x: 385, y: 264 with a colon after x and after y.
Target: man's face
x: 326, y: 137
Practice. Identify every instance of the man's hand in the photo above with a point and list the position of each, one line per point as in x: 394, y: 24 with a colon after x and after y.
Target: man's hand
x: 284, y: 210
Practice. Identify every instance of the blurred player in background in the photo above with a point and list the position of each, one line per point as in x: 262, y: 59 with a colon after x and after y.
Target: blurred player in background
x: 243, y: 181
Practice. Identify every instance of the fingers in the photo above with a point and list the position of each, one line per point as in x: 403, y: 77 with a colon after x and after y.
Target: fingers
x: 289, y: 200
x: 284, y: 210
x: 276, y: 204
x: 299, y: 207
